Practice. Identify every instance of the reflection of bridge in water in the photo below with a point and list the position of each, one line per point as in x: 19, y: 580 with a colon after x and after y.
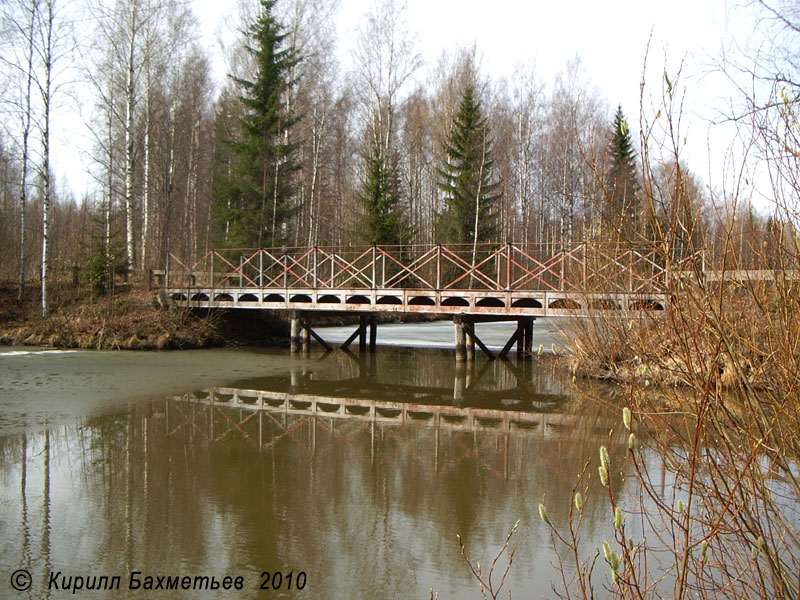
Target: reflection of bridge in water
x: 317, y: 425
x: 493, y: 414
x: 378, y: 411
x: 466, y: 405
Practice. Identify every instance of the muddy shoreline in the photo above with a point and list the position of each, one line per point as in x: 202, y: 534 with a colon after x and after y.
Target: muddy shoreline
x: 137, y: 319
x: 131, y: 320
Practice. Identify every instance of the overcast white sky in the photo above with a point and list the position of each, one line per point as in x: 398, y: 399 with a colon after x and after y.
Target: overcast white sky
x: 610, y: 37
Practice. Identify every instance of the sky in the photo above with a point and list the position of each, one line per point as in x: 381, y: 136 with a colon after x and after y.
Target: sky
x: 610, y: 38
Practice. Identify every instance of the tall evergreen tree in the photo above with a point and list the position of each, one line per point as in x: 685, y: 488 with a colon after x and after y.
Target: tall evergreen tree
x: 470, y: 189
x: 254, y: 200
x: 384, y: 222
x: 623, y: 212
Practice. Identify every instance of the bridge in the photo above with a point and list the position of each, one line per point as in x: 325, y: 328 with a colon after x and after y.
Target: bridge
x: 470, y: 283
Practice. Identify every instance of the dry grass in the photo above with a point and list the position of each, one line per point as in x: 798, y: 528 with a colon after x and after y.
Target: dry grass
x: 131, y: 320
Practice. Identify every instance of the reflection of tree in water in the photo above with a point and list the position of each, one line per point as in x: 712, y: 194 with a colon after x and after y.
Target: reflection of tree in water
x: 225, y: 490
x: 31, y: 457
x: 367, y: 482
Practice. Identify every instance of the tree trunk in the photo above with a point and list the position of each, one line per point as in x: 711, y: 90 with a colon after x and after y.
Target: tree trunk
x: 23, y: 188
x: 130, y: 93
x: 146, y: 175
x: 47, y: 56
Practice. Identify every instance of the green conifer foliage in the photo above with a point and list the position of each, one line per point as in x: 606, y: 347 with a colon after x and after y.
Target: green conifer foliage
x: 254, y: 198
x: 383, y: 222
x: 623, y: 214
x: 467, y: 177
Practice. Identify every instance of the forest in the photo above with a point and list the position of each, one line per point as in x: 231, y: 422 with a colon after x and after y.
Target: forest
x: 292, y: 149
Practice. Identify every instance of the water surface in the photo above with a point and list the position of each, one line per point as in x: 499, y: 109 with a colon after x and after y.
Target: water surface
x: 113, y: 462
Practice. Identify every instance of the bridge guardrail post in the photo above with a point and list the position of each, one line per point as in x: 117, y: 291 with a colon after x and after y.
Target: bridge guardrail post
x: 508, y: 266
x: 260, y: 268
x: 583, y: 265
x: 438, y: 267
x: 211, y: 272
x: 314, y: 266
x: 374, y: 265
x: 630, y: 271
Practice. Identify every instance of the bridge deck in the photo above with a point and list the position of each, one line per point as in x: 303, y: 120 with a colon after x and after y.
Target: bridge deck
x: 500, y: 303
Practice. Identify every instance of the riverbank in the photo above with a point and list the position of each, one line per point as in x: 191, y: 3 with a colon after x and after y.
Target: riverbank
x: 723, y: 336
x: 132, y: 319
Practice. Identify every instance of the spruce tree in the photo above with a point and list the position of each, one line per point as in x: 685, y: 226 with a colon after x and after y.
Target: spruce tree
x: 383, y: 222
x: 254, y: 197
x: 622, y: 214
x: 467, y: 177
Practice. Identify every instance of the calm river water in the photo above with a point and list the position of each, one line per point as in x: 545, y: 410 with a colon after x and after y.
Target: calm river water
x: 115, y: 463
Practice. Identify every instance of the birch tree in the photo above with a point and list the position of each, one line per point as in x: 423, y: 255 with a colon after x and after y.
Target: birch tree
x: 20, y: 20
x: 387, y: 58
x: 49, y: 50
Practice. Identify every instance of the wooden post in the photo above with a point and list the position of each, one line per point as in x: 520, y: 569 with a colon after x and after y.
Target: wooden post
x: 630, y: 271
x: 520, y: 337
x: 373, y: 332
x: 362, y: 333
x: 374, y: 266
x: 470, y: 339
x: 527, y: 337
x: 315, y: 276
x: 294, y: 332
x: 584, y: 266
x: 439, y: 267
x: 459, y: 384
x: 460, y: 339
x: 508, y: 266
x: 306, y: 339
x: 211, y: 274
